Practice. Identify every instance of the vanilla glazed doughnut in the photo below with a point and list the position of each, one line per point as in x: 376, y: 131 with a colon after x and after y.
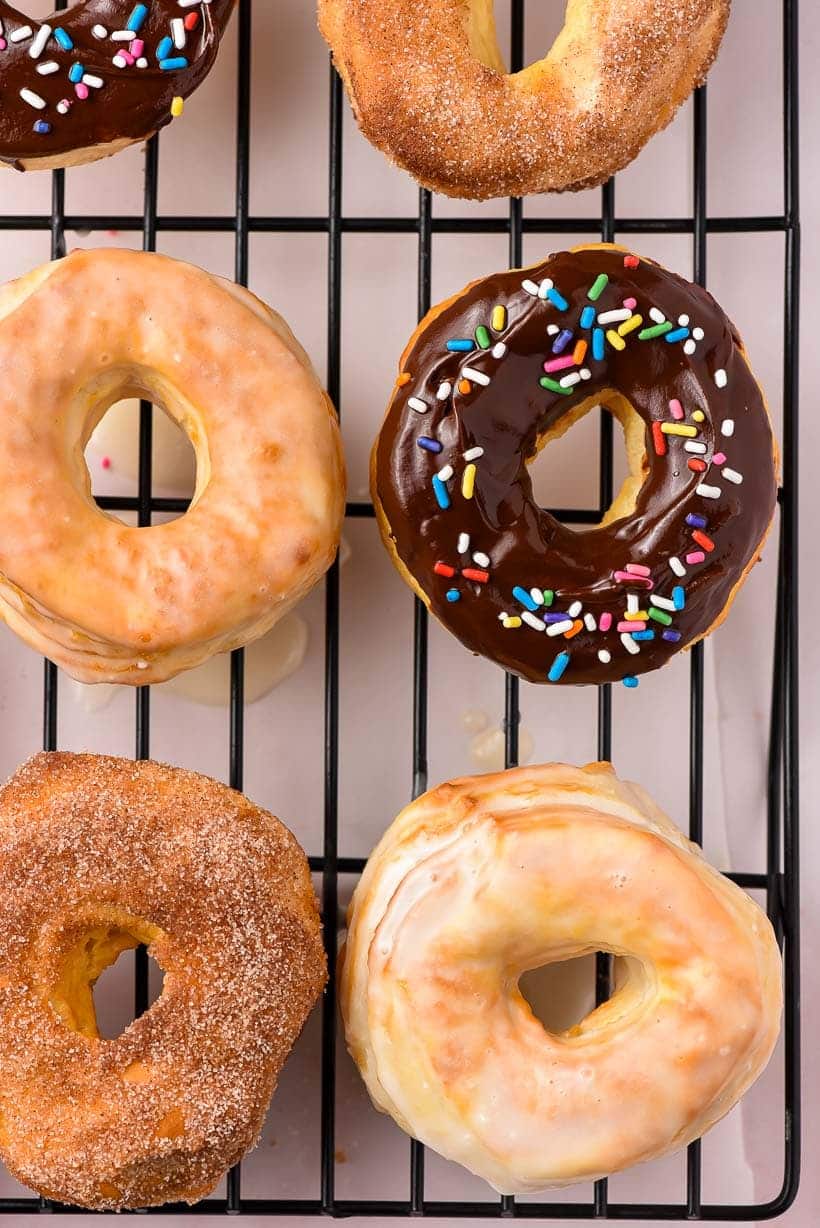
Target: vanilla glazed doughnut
x: 100, y: 76
x: 488, y: 379
x: 429, y: 87
x: 98, y: 855
x: 485, y: 878
x: 110, y: 602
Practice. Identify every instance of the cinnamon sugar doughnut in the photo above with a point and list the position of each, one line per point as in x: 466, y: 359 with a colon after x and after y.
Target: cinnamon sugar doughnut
x: 98, y: 855
x: 429, y: 87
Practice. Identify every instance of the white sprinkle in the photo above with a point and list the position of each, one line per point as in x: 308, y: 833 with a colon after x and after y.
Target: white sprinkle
x: 727, y: 428
x: 628, y: 643
x: 663, y: 603
x: 657, y: 315
x: 552, y: 329
x: 478, y: 377
x: 142, y: 62
x: 473, y: 454
x: 559, y: 628
x: 464, y: 546
x: 446, y: 473
x: 698, y: 334
x: 418, y: 405
x: 536, y: 623
x: 614, y: 317
x: 499, y: 349
x: 33, y: 100
x: 692, y: 445
x: 444, y: 391
x: 21, y: 34
x: 482, y: 559
x: 632, y: 603
x: 709, y: 492
x: 689, y: 346
x: 586, y: 373
x: 569, y: 381
x: 178, y: 33
x: 142, y: 664
x: 677, y: 566
x: 39, y: 45
x: 683, y: 321
x: 537, y: 596
x: 119, y: 61
x: 99, y: 32
x: 545, y: 287
x: 604, y: 656
x: 590, y: 623
x: 123, y: 36
x: 48, y: 67
x: 63, y: 107
x: 96, y: 83
x: 732, y: 475
x: 575, y: 609
x: 530, y: 287
x: 721, y: 378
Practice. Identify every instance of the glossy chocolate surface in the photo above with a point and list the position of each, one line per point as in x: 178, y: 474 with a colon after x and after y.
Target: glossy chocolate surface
x: 131, y: 101
x: 708, y: 518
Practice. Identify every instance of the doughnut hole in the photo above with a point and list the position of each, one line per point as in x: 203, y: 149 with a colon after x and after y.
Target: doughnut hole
x: 561, y: 994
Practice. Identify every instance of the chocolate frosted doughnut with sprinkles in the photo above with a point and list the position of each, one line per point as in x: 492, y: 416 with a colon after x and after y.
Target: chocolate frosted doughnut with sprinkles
x: 100, y: 76
x: 495, y: 373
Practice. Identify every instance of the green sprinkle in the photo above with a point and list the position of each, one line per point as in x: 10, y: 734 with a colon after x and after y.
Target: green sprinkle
x: 554, y: 386
x: 660, y: 616
x: 598, y: 286
x: 483, y: 337
x: 657, y: 330
x: 549, y: 596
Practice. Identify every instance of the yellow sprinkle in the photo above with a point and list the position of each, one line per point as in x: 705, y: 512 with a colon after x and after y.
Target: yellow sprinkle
x: 630, y: 325
x: 638, y: 616
x: 177, y: 107
x: 698, y: 415
x: 499, y: 319
x: 613, y: 339
x: 510, y: 622
x: 468, y: 482
x: 676, y: 428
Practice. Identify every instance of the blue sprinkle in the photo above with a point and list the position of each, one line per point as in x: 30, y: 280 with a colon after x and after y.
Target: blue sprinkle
x: 179, y: 62
x: 42, y: 127
x: 587, y: 317
x: 64, y: 39
x: 164, y: 48
x: 558, y: 666
x: 671, y: 636
x: 453, y: 594
x: 137, y: 18
x: 696, y: 521
x: 429, y: 445
x: 76, y: 73
x: 643, y: 635
x: 526, y: 600
x: 461, y: 345
x: 598, y: 343
x: 561, y: 341
x: 677, y: 334
x: 679, y: 597
x: 555, y: 617
x: 557, y: 299
x: 630, y: 681
x: 442, y: 497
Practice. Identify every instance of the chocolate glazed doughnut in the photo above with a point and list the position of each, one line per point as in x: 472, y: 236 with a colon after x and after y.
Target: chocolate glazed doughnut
x: 103, y: 75
x: 513, y: 361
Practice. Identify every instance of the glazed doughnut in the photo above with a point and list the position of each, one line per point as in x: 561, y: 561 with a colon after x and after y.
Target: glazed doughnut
x: 485, y: 878
x: 429, y: 87
x: 495, y: 373
x: 88, y: 82
x: 98, y: 856
x: 114, y: 603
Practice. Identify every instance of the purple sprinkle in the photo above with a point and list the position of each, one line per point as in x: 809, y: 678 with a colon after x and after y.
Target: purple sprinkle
x: 562, y: 341
x: 429, y: 445
x: 672, y: 636
x: 697, y: 522
x: 554, y: 617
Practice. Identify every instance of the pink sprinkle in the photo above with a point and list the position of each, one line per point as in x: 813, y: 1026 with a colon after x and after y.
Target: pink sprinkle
x: 631, y: 303
x: 81, y: 91
x: 719, y: 458
x: 106, y: 462
x: 632, y: 624
x: 638, y: 569
x: 137, y: 48
x: 605, y: 621
x: 3, y: 44
x: 558, y: 364
x: 128, y: 57
x: 676, y: 409
x: 697, y: 556
x: 629, y: 577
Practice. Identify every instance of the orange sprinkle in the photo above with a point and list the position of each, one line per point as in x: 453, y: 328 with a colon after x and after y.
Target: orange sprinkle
x: 579, y: 352
x: 403, y: 379
x: 697, y: 466
x: 464, y: 386
x: 574, y: 629
x: 703, y: 540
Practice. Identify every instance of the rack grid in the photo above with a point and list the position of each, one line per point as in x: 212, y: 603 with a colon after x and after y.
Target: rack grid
x: 780, y: 881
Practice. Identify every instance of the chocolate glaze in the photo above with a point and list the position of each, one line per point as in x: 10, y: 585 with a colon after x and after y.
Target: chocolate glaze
x: 527, y: 547
x: 133, y: 103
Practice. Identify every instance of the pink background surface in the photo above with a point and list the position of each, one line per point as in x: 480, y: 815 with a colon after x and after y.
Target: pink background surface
x: 742, y: 1158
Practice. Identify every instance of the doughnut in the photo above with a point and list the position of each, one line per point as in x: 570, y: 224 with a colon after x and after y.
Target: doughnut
x: 106, y: 74
x: 98, y: 856
x: 494, y: 374
x: 110, y: 602
x: 429, y: 87
x: 488, y: 877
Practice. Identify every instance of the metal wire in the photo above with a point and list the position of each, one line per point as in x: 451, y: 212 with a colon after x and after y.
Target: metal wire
x: 780, y: 881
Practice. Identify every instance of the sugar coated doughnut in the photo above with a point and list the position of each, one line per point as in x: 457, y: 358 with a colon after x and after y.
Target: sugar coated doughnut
x: 485, y: 878
x: 100, y: 76
x: 98, y: 855
x: 109, y: 602
x: 429, y: 87
x: 496, y: 372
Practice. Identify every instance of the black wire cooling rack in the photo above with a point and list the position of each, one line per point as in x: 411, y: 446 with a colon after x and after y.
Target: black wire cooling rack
x: 780, y: 881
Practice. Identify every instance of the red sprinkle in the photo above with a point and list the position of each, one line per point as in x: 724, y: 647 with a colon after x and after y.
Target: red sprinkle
x: 106, y: 462
x: 697, y: 466
x: 631, y: 262
x: 480, y: 577
x: 659, y: 439
x: 444, y: 569
x: 192, y: 21
x: 703, y: 540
